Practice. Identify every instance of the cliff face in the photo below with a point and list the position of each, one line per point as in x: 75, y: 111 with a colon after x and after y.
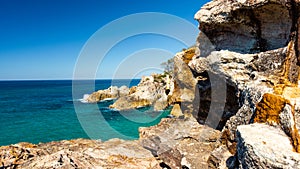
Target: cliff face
x: 248, y: 26
x: 250, y: 49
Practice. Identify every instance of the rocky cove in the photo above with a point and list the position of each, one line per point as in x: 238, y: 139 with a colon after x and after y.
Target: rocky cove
x: 236, y: 100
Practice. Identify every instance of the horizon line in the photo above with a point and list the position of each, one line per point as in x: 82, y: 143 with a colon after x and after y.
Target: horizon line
x: 69, y: 79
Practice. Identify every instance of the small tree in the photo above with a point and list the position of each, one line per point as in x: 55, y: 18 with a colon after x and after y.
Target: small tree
x: 168, y: 65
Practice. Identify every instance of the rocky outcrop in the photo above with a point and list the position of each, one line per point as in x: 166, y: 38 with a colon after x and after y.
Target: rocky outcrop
x: 263, y: 146
x: 277, y: 111
x: 112, y: 92
x: 185, y: 83
x: 250, y: 48
x: 149, y: 92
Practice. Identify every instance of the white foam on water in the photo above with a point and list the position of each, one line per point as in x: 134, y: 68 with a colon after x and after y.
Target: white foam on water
x: 84, y: 99
x: 107, y: 99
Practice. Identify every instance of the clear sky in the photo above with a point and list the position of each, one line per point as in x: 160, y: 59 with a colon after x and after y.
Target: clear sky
x: 41, y: 39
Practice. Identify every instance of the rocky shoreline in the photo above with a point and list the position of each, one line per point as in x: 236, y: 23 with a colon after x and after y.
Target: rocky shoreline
x: 236, y: 95
x: 151, y: 91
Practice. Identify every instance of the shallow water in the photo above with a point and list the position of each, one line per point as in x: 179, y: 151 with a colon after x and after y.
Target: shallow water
x: 43, y: 111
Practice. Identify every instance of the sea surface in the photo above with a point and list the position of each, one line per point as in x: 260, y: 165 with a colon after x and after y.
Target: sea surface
x: 44, y: 111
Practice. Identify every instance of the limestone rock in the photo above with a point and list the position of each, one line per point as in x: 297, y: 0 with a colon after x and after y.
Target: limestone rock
x: 263, y: 146
x: 112, y: 92
x: 221, y: 158
x: 246, y: 26
x: 185, y: 83
x: 78, y: 153
x: 149, y: 92
x: 246, y: 48
x: 277, y: 111
x: 123, y: 91
x: 180, y: 142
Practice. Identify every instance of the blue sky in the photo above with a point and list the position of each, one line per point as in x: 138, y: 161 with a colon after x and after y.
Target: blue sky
x: 42, y: 39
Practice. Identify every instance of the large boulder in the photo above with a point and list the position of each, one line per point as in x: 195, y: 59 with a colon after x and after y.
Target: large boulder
x: 262, y: 146
x: 247, y: 26
x: 180, y: 143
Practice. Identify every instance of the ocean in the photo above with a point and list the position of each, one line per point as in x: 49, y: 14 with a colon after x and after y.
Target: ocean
x: 50, y: 110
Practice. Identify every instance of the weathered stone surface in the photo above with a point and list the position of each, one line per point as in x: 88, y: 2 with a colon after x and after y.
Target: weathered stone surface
x: 180, y: 142
x: 251, y: 46
x: 263, y: 146
x: 149, y: 92
x: 277, y: 111
x: 221, y: 158
x: 78, y: 153
x: 246, y: 26
x: 110, y: 93
x: 185, y: 83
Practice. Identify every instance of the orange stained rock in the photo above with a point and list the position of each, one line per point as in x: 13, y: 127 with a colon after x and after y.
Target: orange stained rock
x: 296, y: 139
x: 269, y: 108
x: 188, y: 54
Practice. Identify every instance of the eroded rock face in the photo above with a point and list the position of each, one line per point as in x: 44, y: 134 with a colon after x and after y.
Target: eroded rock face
x: 149, y: 92
x: 185, y: 84
x: 247, y: 26
x: 263, y: 146
x: 250, y: 47
x: 243, y: 70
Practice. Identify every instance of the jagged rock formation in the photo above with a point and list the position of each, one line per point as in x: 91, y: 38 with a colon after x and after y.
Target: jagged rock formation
x: 150, y: 91
x: 256, y: 55
x: 185, y: 84
x: 112, y: 92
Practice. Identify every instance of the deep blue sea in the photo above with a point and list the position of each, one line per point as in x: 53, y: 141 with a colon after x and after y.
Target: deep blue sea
x: 44, y: 111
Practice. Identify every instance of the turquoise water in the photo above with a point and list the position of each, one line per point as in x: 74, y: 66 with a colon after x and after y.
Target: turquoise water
x: 43, y: 111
